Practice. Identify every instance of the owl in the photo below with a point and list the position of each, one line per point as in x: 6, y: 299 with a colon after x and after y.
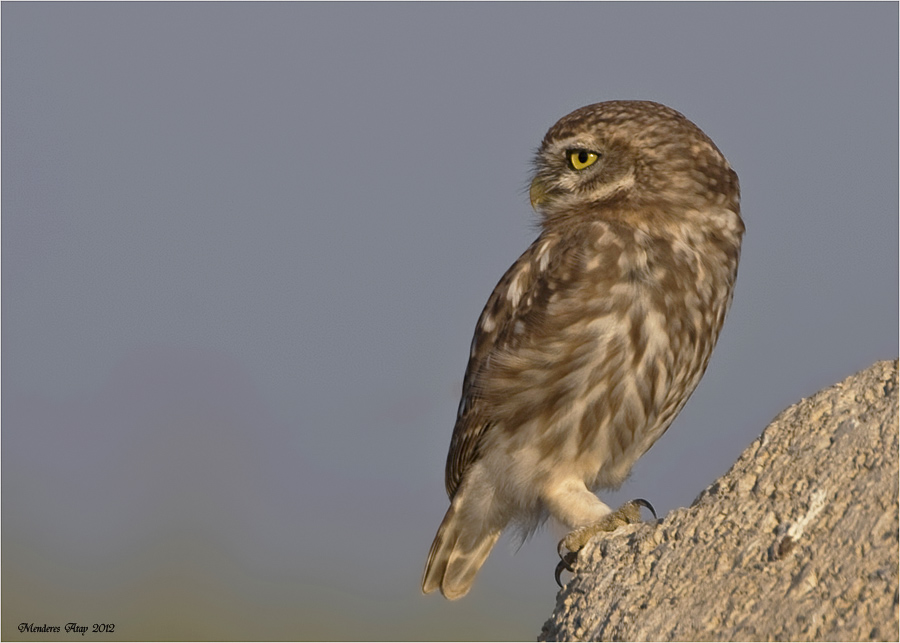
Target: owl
x: 595, y: 338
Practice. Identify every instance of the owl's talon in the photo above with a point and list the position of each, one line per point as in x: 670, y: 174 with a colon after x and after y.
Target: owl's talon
x: 645, y: 503
x: 566, y: 564
x: 560, y: 567
x: 567, y: 560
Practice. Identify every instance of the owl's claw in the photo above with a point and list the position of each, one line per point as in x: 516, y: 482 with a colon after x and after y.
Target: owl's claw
x: 565, y: 564
x: 566, y: 561
x: 559, y: 549
x: 644, y: 503
x: 627, y: 514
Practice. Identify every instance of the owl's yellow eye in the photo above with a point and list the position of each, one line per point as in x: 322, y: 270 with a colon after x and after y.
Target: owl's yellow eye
x: 580, y: 159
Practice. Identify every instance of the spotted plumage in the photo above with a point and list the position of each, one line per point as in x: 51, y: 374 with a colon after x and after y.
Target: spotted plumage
x: 596, y: 336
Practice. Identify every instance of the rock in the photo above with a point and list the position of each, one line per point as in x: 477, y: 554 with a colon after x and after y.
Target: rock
x: 797, y: 542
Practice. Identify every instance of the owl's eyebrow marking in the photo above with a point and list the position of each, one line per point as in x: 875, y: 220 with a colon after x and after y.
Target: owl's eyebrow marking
x: 573, y: 143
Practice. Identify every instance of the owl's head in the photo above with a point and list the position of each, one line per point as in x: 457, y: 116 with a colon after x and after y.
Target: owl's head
x: 624, y: 156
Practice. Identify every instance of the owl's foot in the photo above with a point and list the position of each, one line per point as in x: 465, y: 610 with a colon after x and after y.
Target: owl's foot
x: 627, y: 514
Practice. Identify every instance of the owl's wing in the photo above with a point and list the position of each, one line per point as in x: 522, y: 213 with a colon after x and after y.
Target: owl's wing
x: 514, y: 321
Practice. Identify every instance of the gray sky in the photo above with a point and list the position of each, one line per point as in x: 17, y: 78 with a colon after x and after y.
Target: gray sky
x: 244, y: 247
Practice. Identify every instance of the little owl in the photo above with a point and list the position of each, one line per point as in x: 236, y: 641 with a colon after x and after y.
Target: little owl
x: 597, y: 335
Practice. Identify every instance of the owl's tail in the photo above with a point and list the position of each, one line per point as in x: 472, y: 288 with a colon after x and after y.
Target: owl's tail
x: 463, y: 542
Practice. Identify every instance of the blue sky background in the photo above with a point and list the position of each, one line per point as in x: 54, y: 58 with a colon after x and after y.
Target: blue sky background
x: 244, y: 247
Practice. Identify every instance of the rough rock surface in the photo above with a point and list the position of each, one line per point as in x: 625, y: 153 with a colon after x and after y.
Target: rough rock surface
x: 798, y: 541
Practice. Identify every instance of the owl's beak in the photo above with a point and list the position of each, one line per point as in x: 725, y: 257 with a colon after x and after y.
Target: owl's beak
x: 537, y: 193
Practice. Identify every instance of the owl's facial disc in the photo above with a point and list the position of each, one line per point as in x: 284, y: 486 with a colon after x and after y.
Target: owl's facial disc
x: 583, y: 170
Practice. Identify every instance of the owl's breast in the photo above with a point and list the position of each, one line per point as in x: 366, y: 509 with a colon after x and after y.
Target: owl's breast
x: 647, y: 359
x: 600, y: 347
